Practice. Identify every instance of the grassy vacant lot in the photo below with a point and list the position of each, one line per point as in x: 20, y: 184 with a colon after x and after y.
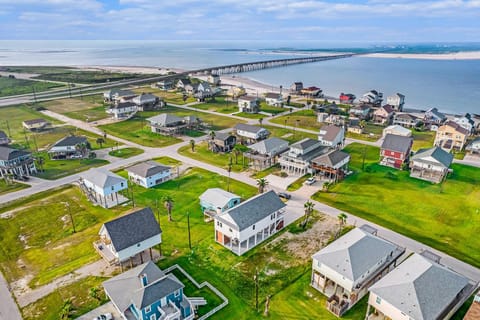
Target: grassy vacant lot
x: 11, y: 186
x: 220, y: 104
x: 169, y: 96
x: 11, y: 87
x: 422, y: 139
x: 126, y: 152
x: 168, y: 161
x: 306, y: 119
x: 290, y: 135
x: 444, y: 216
x: 250, y: 115
x: 202, y: 153
x: 371, y: 132
x: 271, y: 109
x: 89, y: 108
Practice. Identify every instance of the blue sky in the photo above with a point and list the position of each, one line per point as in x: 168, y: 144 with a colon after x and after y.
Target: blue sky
x: 344, y: 20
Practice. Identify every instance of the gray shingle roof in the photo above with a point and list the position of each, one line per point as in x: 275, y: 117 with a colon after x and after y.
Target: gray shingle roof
x: 248, y: 98
x: 457, y: 127
x: 7, y: 153
x: 420, y: 288
x: 222, y: 135
x: 147, y: 168
x: 331, y: 159
x: 397, y: 143
x: 272, y: 95
x: 34, y: 121
x: 268, y: 145
x: 253, y: 210
x: 102, y: 177
x: 329, y: 132
x: 247, y: 127
x: 71, y: 141
x: 438, y: 154
x: 304, y: 144
x: 127, y: 288
x: 130, y: 229
x: 144, y: 97
x: 165, y: 119
x: 217, y: 197
x: 354, y: 254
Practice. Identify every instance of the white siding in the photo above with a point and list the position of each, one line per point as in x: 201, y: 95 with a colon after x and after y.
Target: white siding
x: 108, y: 190
x: 333, y: 275
x: 386, y: 308
x: 139, y: 247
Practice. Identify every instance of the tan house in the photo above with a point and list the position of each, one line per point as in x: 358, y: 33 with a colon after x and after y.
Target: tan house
x: 451, y: 136
x: 383, y: 115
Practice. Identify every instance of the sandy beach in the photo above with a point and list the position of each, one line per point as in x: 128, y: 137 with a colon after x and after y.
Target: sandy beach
x: 466, y: 55
x: 132, y: 69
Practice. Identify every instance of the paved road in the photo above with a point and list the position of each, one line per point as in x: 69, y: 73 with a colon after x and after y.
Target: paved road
x: 8, y: 308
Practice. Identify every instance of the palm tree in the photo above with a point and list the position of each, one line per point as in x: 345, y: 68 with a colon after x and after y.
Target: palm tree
x: 236, y: 152
x: 260, y: 120
x: 342, y: 217
x: 362, y: 124
x: 100, y: 142
x: 308, y: 211
x: 192, y: 145
x: 40, y: 162
x: 93, y: 293
x: 168, y: 203
x: 66, y: 311
x: 212, y: 135
x: 262, y: 183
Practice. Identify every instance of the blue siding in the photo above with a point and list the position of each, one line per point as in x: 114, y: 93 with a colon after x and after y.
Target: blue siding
x: 153, y: 310
x: 208, y: 206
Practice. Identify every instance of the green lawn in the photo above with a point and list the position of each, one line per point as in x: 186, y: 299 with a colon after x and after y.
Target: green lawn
x: 271, y: 109
x: 444, y: 216
x: 306, y: 119
x: 298, y: 183
x: 169, y: 96
x: 126, y: 152
x: 11, y: 87
x: 11, y: 186
x: 168, y: 161
x: 422, y: 139
x: 272, y: 170
x: 250, y: 115
x: 290, y: 135
x: 220, y: 104
x: 371, y: 132
x: 202, y: 153
x: 88, y: 108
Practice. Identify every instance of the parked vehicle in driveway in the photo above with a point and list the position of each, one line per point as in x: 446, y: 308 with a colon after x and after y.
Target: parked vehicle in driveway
x: 284, y: 195
x: 105, y: 316
x: 310, y: 181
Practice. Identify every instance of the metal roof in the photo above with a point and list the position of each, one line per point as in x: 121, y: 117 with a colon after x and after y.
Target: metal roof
x: 147, y: 168
x: 7, y: 153
x: 217, y: 197
x: 268, y: 145
x: 439, y: 156
x: 102, y: 177
x: 70, y: 141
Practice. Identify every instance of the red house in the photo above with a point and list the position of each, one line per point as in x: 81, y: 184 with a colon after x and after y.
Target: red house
x: 395, y: 151
x: 346, y: 97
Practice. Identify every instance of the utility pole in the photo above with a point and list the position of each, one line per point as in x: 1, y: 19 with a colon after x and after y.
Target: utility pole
x: 67, y: 205
x: 158, y: 218
x: 69, y: 91
x: 34, y: 94
x: 255, y: 278
x: 189, y: 237
x: 131, y: 193
x: 364, y: 155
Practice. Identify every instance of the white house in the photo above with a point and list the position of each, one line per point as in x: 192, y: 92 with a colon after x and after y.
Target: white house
x: 297, y: 160
x: 215, y: 201
x: 430, y: 164
x: 71, y: 147
x: 372, y: 97
x: 16, y: 162
x: 35, y: 124
x: 251, y: 133
x: 466, y: 122
x: 122, y: 109
x: 129, y: 235
x: 213, y: 79
x: 397, y: 130
x: 346, y: 268
x: 103, y: 186
x: 274, y: 99
x: 418, y: 289
x: 248, y: 104
x: 474, y: 146
x: 331, y: 136
x: 149, y: 174
x: 118, y: 95
x: 396, y: 101
x: 246, y: 225
x: 147, y: 101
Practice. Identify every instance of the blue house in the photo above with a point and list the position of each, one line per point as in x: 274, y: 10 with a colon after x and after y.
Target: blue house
x: 216, y: 200
x: 147, y: 293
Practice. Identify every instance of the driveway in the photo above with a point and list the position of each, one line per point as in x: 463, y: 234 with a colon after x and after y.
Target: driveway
x: 106, y: 308
x: 279, y: 182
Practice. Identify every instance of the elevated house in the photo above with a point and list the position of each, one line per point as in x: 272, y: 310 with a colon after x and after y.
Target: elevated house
x: 169, y: 124
x: 250, y: 134
x: 190, y: 88
x: 213, y: 79
x: 71, y: 147
x: 361, y: 111
x: 406, y: 120
x: 332, y: 136
x: 451, y: 136
x: 149, y: 174
x: 165, y: 84
x: 182, y: 83
x: 103, y: 187
x: 397, y: 130
x: 332, y: 165
x: 223, y: 142
x: 430, y: 164
x: 35, y: 124
x: 16, y: 163
x: 396, y: 101
x: 129, y: 236
x: 4, y: 140
x: 297, y: 160
x: 372, y: 97
x: 347, y: 98
x: 353, y: 125
x: 395, y: 151
x: 345, y: 269
x: 249, y: 223
x: 466, y: 122
x: 418, y: 289
x: 147, y: 293
x: 274, y: 99
x: 473, y: 312
x: 236, y: 91
x: 264, y: 154
x: 248, y: 104
x: 384, y: 115
x: 296, y: 87
x: 216, y: 201
x: 147, y: 102
x: 433, y: 117
x: 474, y: 146
x: 118, y: 95
x: 311, y: 92
x: 122, y: 110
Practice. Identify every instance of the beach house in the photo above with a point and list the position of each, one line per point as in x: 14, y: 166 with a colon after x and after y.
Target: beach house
x: 215, y: 201
x: 121, y: 110
x: 71, y: 147
x: 395, y: 151
x: 451, y: 136
x: 297, y: 160
x: 149, y: 173
x: 103, y: 187
x: 274, y: 99
x: 264, y: 154
x: 248, y: 104
x: 397, y: 130
x: 430, y: 164
x: 332, y: 136
x: 332, y: 166
x: 17, y: 163
x: 35, y: 124
x: 372, y: 97
x: 396, y: 101
x: 250, y: 134
x: 383, y: 115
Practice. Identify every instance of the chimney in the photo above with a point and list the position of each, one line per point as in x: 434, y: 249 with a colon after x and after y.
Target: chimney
x: 219, y: 210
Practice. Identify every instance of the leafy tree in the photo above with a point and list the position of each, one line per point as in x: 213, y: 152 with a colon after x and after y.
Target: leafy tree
x: 168, y: 204
x: 100, y: 142
x: 93, y: 292
x: 308, y: 206
x: 66, y: 312
x: 260, y: 121
x: 192, y: 145
x: 262, y: 184
x: 342, y: 217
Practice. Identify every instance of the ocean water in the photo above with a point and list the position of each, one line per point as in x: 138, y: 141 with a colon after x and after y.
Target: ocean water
x: 452, y: 86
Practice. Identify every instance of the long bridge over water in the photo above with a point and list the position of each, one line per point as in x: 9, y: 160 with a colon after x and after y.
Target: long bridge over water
x: 219, y: 70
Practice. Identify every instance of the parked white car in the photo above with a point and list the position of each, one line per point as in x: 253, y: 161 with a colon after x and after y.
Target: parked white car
x: 310, y: 181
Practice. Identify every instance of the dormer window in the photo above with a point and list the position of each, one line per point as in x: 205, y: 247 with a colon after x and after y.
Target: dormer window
x: 144, y: 280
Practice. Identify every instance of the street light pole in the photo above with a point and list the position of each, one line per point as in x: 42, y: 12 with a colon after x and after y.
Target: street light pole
x: 255, y: 278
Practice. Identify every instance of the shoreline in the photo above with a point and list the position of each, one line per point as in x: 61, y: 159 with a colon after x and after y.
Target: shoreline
x: 462, y: 55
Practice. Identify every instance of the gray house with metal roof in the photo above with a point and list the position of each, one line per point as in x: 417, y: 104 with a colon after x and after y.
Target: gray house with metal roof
x: 431, y: 164
x: 346, y: 268
x: 102, y: 187
x: 246, y: 225
x: 146, y: 292
x: 215, y: 201
x: 297, y: 160
x: 127, y: 236
x: 418, y: 289
x: 264, y: 154
x: 332, y: 165
x: 149, y: 173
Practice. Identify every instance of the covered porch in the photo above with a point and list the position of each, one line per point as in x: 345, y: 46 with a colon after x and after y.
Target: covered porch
x: 339, y: 299
x: 434, y: 176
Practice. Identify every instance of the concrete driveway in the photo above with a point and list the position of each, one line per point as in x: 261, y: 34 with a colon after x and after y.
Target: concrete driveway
x: 106, y: 308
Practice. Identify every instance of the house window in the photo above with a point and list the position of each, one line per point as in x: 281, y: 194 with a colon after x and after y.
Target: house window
x: 177, y: 293
x: 219, y: 224
x: 121, y: 184
x: 379, y: 300
x: 253, y: 227
x: 272, y: 216
x: 153, y: 317
x: 148, y: 309
x: 112, y: 188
